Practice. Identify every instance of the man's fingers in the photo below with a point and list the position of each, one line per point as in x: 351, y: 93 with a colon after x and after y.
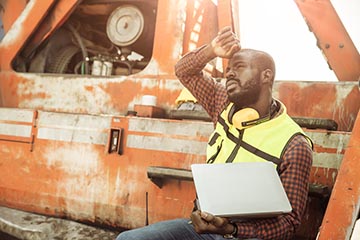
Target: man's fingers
x: 230, y: 44
x: 206, y: 216
x: 225, y: 29
x: 213, y: 220
x: 231, y: 38
x: 200, y: 225
x: 225, y: 44
x: 235, y: 48
x: 223, y: 36
x: 228, y: 41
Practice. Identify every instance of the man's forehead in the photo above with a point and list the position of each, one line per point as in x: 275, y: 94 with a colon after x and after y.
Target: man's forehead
x: 241, y: 56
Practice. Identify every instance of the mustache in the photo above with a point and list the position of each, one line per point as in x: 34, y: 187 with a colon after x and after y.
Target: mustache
x: 233, y: 79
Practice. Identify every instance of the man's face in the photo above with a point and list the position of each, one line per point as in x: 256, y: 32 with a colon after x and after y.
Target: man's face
x: 242, y: 80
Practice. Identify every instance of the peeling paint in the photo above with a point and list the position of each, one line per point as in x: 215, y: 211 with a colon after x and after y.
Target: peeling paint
x: 336, y: 140
x: 64, y: 93
x: 70, y: 173
x: 327, y: 160
x: 152, y: 68
x: 73, y: 159
x: 172, y: 85
x: 12, y: 35
x: 11, y: 114
x: 342, y: 111
x: 166, y: 144
x: 73, y: 128
x: 171, y: 128
x: 82, y: 180
x: 118, y: 183
x: 333, y: 176
x: 90, y: 95
x: 15, y: 130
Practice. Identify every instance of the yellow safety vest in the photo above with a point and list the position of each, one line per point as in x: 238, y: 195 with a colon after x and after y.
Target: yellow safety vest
x: 263, y: 142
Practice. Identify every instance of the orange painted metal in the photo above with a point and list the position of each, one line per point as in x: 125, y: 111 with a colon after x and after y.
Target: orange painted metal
x: 225, y: 9
x: 344, y: 204
x: 201, y: 26
x: 81, y: 180
x: 9, y: 17
x: 119, y: 96
x: 23, y: 29
x: 53, y: 19
x: 63, y: 165
x: 332, y: 38
x: 325, y: 167
x: 340, y: 103
x: 175, y: 198
x: 29, y: 140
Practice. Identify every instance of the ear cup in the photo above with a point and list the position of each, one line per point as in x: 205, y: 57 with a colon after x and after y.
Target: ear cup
x: 244, y: 115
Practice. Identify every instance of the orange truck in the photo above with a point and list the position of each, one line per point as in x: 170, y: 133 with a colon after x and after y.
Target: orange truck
x: 78, y: 139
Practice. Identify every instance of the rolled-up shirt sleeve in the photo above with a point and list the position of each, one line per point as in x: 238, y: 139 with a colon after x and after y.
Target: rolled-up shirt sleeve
x: 210, y: 94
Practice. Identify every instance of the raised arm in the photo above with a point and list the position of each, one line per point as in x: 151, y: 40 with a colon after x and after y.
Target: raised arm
x: 189, y: 70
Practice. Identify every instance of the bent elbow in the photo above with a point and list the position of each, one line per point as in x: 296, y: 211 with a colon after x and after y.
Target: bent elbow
x: 177, y: 69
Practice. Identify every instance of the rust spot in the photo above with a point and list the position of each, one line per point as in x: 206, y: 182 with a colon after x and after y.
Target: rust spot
x: 323, y: 176
x: 309, y: 100
x: 347, y: 111
x: 89, y: 88
x: 122, y: 93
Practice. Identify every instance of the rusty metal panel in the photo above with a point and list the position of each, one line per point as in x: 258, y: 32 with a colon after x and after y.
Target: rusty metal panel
x: 9, y: 17
x: 339, y: 101
x: 225, y: 10
x: 53, y: 19
x: 154, y: 135
x: 332, y: 38
x: 112, y: 96
x: 118, y: 94
x: 18, y: 126
x: 72, y: 170
x: 21, y: 29
x: 344, y: 203
x: 71, y: 173
x: 201, y: 24
x: 73, y: 128
x: 329, y: 149
x: 167, y: 50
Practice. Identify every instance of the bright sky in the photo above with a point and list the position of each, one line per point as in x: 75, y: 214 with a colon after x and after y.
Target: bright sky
x: 278, y: 28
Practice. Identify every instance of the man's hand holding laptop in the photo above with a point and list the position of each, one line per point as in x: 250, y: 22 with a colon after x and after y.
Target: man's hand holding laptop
x: 207, y: 223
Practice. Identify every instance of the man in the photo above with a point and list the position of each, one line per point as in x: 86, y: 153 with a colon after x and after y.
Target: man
x: 251, y: 126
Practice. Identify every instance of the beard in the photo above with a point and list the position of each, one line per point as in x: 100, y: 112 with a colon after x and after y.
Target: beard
x: 246, y: 94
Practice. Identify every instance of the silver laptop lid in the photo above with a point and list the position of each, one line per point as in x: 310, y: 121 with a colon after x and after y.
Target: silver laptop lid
x: 240, y: 190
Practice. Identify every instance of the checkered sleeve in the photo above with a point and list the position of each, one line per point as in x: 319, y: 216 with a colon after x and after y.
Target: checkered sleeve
x: 294, y: 173
x: 211, y: 95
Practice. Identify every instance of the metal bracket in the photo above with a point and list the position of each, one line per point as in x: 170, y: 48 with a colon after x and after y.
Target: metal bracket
x: 159, y: 174
x: 116, y: 140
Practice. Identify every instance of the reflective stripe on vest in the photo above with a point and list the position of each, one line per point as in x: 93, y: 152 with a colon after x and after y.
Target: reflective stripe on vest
x: 263, y: 142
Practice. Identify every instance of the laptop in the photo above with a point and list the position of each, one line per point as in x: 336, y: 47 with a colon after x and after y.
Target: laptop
x: 240, y: 190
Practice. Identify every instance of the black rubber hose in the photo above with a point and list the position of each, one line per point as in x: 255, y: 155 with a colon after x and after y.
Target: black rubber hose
x: 81, y: 45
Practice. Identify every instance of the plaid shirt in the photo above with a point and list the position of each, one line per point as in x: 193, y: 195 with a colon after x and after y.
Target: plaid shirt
x: 294, y: 170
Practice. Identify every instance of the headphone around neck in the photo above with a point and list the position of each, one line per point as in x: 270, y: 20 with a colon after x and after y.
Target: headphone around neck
x: 247, y: 117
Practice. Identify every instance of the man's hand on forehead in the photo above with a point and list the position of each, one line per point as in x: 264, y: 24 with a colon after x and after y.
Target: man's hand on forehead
x: 226, y: 43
